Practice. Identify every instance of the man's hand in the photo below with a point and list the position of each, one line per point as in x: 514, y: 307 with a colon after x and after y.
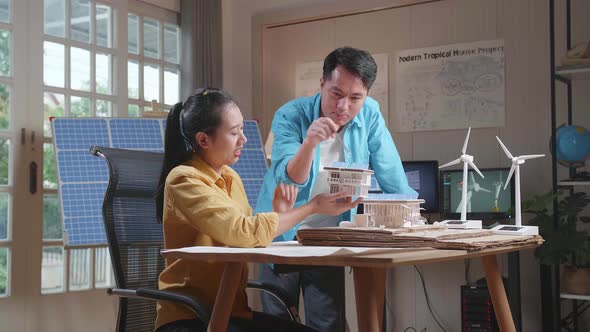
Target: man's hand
x: 284, y: 197
x: 334, y: 204
x: 320, y: 130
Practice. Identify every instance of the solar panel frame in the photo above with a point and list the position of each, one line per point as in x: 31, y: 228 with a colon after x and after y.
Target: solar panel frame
x: 83, y: 178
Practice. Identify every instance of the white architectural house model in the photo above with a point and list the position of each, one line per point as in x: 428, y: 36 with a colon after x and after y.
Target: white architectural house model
x: 392, y: 213
x: 353, y: 181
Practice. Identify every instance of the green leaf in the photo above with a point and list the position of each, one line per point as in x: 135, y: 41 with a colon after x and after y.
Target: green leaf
x: 564, y: 243
x: 573, y: 204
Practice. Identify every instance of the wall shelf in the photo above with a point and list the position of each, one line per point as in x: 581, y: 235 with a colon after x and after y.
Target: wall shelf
x: 575, y: 296
x: 568, y: 183
x: 574, y: 72
x: 567, y: 76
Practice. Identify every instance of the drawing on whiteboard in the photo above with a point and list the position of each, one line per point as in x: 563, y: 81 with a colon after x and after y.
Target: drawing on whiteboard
x: 480, y: 73
x: 450, y: 87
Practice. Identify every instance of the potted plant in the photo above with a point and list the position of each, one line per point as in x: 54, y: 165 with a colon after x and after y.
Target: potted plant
x: 568, y: 244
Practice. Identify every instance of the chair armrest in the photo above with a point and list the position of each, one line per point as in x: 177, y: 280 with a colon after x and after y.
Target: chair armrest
x: 279, y: 295
x: 199, y: 308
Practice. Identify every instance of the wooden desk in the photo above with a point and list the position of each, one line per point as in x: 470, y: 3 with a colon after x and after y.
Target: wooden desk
x: 369, y: 266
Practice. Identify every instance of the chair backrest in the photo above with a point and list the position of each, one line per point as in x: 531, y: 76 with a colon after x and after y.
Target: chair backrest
x: 133, y: 232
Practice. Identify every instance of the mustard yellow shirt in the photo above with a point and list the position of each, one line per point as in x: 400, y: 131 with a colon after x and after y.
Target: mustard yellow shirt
x: 202, y: 208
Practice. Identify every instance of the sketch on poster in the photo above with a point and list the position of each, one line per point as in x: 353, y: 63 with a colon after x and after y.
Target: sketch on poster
x: 450, y: 87
x: 308, y: 74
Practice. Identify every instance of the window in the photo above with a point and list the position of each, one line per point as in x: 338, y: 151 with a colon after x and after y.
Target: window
x: 78, y: 64
x: 153, y: 71
x: 80, y: 57
x: 6, y: 134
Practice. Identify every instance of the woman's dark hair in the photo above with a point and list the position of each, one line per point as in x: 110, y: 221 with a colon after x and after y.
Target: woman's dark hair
x: 201, y: 112
x: 357, y: 61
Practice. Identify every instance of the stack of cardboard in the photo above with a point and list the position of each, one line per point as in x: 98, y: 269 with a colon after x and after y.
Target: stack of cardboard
x: 433, y: 236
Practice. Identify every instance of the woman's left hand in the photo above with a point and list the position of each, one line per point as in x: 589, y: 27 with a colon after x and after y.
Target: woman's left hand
x: 284, y: 197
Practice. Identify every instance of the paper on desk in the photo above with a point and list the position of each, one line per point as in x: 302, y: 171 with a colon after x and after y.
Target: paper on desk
x: 280, y: 249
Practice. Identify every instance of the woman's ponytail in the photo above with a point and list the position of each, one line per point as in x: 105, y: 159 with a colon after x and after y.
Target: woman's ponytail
x: 177, y: 150
x: 201, y: 112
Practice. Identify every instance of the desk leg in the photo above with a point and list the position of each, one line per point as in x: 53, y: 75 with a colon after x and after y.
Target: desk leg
x: 498, y: 294
x: 225, y: 297
x: 369, y: 291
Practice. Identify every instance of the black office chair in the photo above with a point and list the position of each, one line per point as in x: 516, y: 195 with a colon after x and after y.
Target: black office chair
x: 135, y: 238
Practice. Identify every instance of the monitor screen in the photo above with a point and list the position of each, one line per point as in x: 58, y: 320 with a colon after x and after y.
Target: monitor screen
x: 486, y: 197
x: 423, y: 177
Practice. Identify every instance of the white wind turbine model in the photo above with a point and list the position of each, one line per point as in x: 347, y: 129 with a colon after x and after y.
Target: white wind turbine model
x: 518, y: 228
x: 467, y: 161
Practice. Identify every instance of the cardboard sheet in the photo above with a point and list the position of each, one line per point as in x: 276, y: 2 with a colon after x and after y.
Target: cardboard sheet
x: 428, y: 236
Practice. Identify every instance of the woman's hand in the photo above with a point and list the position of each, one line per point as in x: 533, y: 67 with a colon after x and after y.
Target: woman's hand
x: 284, y: 197
x: 334, y: 204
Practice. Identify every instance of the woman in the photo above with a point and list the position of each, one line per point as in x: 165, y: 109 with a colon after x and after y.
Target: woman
x: 202, y: 202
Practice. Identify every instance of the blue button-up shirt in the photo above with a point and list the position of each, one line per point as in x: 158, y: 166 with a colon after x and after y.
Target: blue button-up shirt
x: 366, y: 138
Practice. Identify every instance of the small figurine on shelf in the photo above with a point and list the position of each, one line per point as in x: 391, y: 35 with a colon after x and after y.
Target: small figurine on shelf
x: 577, y: 55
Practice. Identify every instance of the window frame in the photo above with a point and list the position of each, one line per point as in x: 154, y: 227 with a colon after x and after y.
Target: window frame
x: 9, y: 134
x: 162, y: 64
x: 119, y: 102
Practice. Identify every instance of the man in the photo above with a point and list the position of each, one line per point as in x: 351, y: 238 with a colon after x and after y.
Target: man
x: 339, y: 124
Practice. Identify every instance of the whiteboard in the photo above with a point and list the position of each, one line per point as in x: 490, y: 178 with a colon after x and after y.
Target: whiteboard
x: 450, y: 87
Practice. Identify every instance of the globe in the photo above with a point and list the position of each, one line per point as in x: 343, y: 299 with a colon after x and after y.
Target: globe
x: 573, y: 145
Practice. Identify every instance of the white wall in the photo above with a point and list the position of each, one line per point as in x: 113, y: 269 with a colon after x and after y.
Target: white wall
x: 173, y: 5
x: 237, y: 46
x: 524, y: 26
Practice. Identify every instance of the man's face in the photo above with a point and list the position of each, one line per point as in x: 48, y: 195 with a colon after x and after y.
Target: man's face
x: 343, y: 95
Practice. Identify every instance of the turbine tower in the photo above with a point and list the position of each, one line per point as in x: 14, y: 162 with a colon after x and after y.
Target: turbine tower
x: 467, y: 161
x: 516, y: 162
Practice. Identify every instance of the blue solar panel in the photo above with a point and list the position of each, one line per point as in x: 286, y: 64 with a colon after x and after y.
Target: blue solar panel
x: 85, y: 231
x: 143, y: 135
x: 83, y: 178
x: 80, y: 166
x: 252, y: 187
x: 253, y: 135
x: 80, y: 134
x: 251, y: 165
x: 83, y: 199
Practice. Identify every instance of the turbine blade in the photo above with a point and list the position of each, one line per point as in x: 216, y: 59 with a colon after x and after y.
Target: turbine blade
x: 509, y: 176
x: 466, y: 141
x: 454, y: 162
x: 476, y: 169
x: 504, y: 148
x: 530, y: 156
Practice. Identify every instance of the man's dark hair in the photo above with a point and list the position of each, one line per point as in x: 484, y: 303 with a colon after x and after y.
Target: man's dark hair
x: 358, y: 62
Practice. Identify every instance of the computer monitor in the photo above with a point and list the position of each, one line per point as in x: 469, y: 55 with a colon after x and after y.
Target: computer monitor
x: 423, y: 177
x: 487, y: 200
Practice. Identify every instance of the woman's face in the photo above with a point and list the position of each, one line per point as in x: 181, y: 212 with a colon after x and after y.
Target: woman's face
x: 225, y: 145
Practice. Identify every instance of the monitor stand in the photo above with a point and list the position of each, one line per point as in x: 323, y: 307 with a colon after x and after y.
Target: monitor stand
x: 516, y: 230
x: 462, y: 224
